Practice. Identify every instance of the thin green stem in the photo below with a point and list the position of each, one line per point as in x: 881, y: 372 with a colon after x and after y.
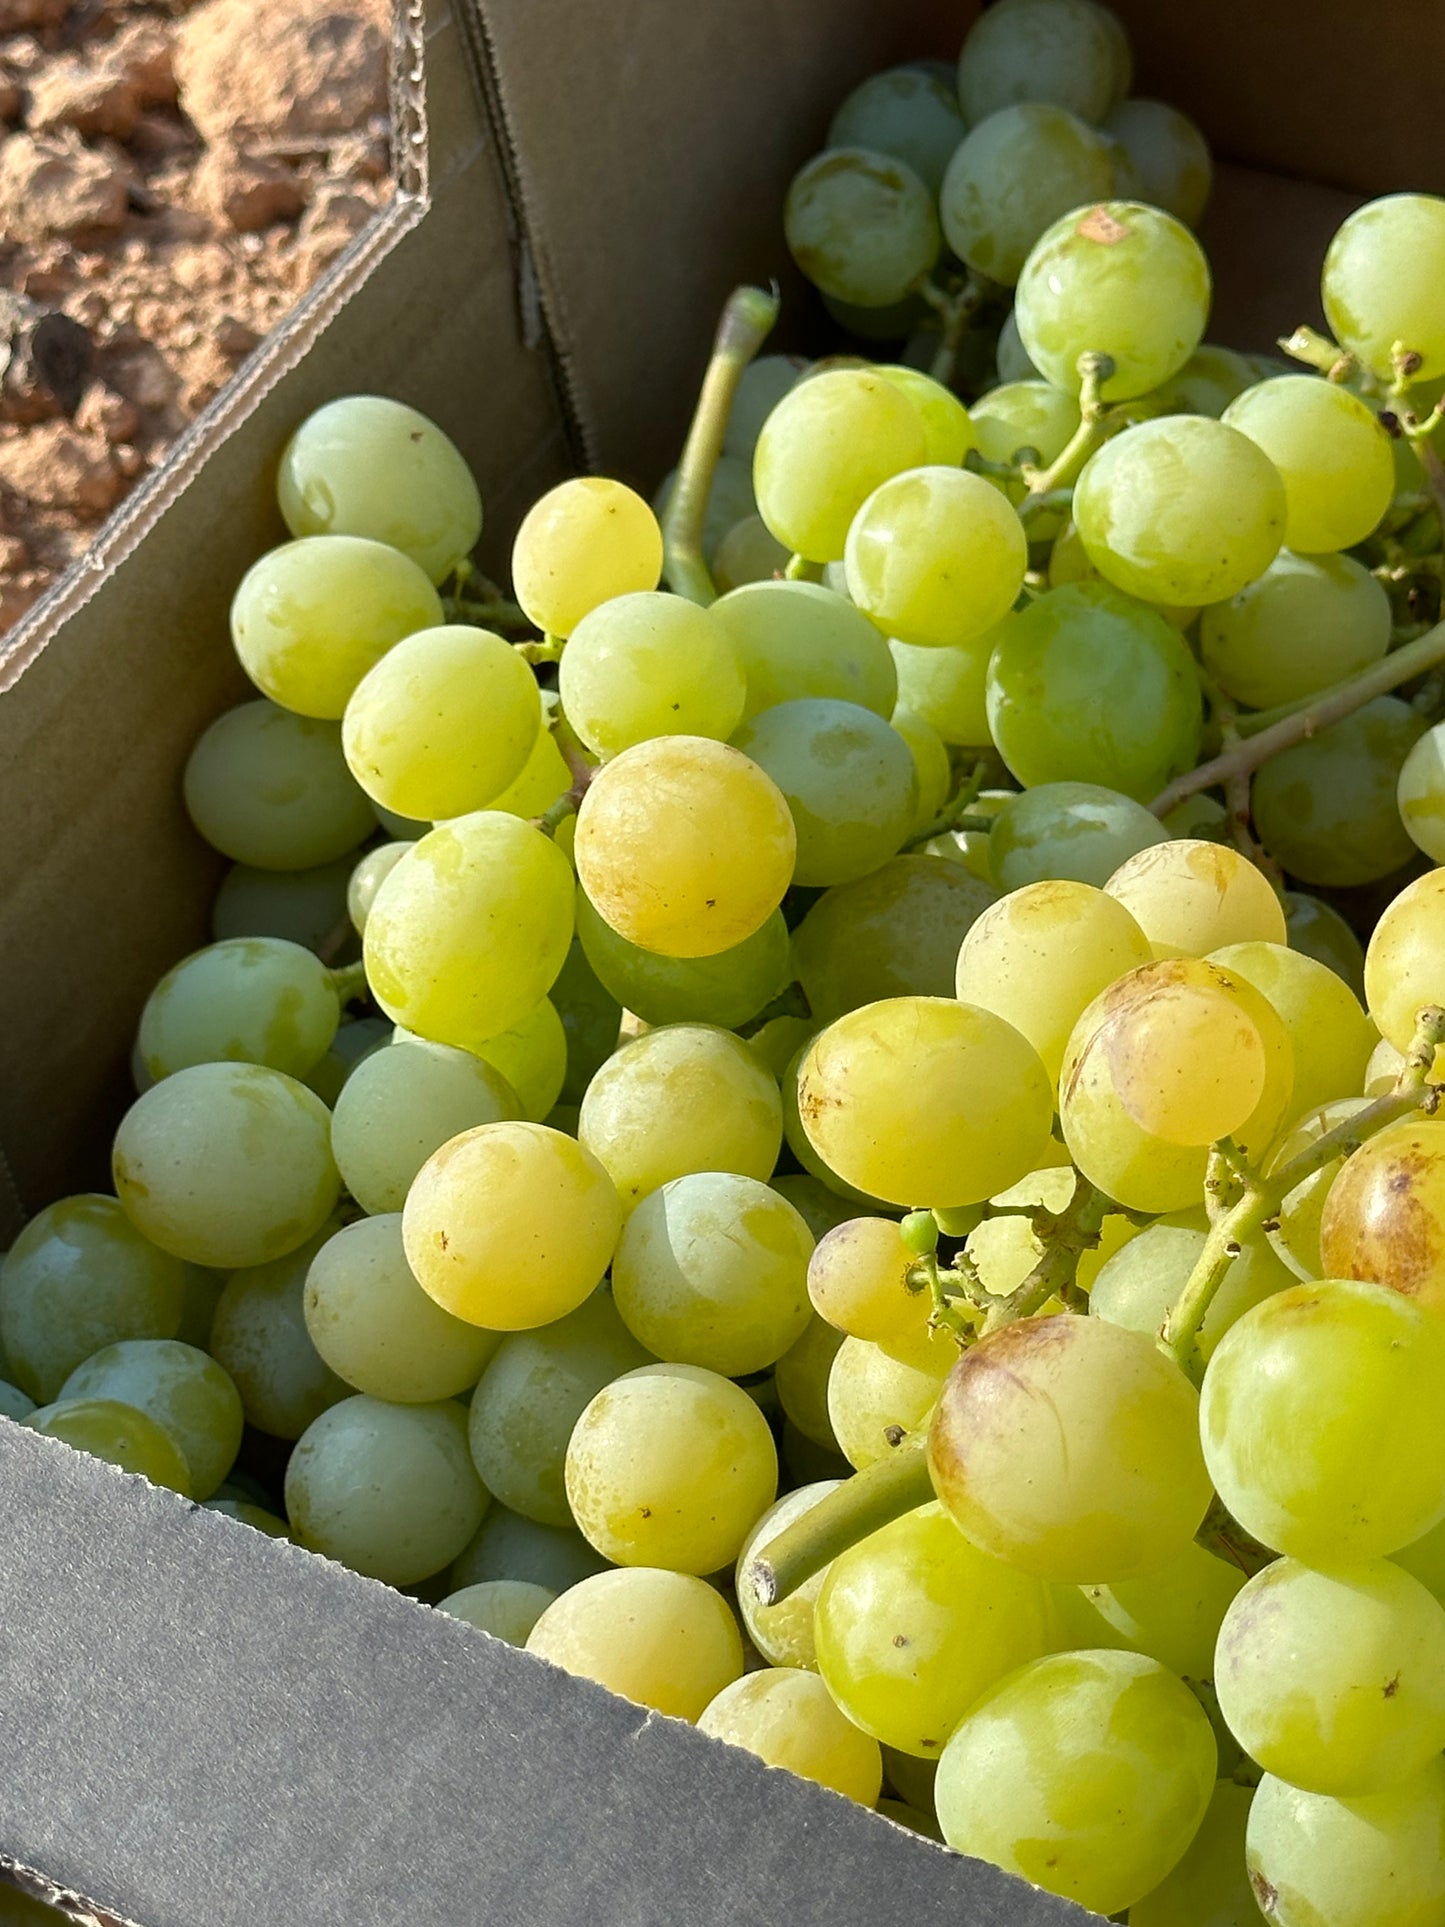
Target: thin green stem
x: 800, y: 569
x: 1094, y: 370
x: 349, y: 982
x: 954, y: 814
x: 872, y: 1498
x: 1066, y: 1236
x: 498, y: 612
x: 1318, y: 351
x: 581, y: 768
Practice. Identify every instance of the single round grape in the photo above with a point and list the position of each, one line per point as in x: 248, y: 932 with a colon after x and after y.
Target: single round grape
x: 1330, y: 1034
x: 1315, y: 1416
x: 1191, y: 897
x: 258, y: 1336
x: 1206, y: 384
x: 1169, y: 155
x: 1070, y: 1447
x: 663, y: 1639
x: 531, y: 1057
x: 684, y: 846
x: 749, y: 552
x: 183, y: 1391
x: 828, y: 444
x: 1024, y: 414
x: 947, y: 426
x: 1069, y: 52
x: 356, y: 1038
x: 874, y: 1398
x: 802, y: 1377
x: 935, y: 556
x: 367, y: 878
x: 788, y: 1718
x: 272, y: 790
x: 861, y: 226
x: 366, y: 465
x: 1069, y: 563
x: 1381, y: 282
x: 404, y: 1103
x: 1088, y: 685
x: 1383, y: 1217
x: 1139, y: 1284
x: 1405, y: 962
x: 670, y: 1465
x: 1334, y: 1681
x: 932, y: 768
x: 80, y: 1276
x: 468, y: 931
x: 858, y: 1281
x: 1210, y: 1886
x: 1326, y: 808
x: 1171, y: 1613
x: 443, y: 723
x: 252, y: 1000
x: 761, y: 386
x: 1180, y: 509
x: 579, y: 545
x: 1068, y: 831
x: 1008, y: 1787
x: 798, y: 639
x: 649, y: 664
x: 1013, y: 176
x: 1370, y: 1861
x: 1332, y: 454
x: 924, y: 1100
x: 783, y: 1634
x: 531, y: 1396
x: 510, y: 1225
x: 506, y: 1608
x: 1420, y: 794
x: 507, y: 1546
x: 727, y: 990
x: 913, y: 1623
x: 108, y: 1429
x: 300, y: 906
x: 1121, y: 279
x: 388, y: 1490
x: 1011, y: 355
x: 226, y: 1164
x: 905, y: 112
x: 1308, y: 621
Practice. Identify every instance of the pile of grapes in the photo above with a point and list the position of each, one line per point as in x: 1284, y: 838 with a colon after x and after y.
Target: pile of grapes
x: 818, y: 1175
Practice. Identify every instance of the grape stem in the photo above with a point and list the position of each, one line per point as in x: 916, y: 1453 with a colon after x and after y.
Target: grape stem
x: 1318, y: 351
x: 1094, y: 412
x: 800, y: 569
x: 955, y: 310
x: 1065, y: 1235
x: 1266, y: 734
x: 582, y: 770
x: 349, y: 982
x: 746, y: 320
x: 871, y: 1499
x: 954, y: 814
x: 1225, y: 713
x: 1260, y: 1196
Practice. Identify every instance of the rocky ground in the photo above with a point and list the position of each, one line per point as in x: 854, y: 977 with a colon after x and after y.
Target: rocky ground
x: 173, y: 176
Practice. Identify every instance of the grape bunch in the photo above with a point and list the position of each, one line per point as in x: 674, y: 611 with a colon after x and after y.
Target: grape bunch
x: 766, y: 1114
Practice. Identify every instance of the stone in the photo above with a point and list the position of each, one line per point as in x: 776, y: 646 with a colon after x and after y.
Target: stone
x: 141, y: 51
x: 56, y: 466
x: 95, y: 98
x: 282, y: 67
x: 247, y: 191
x: 51, y: 184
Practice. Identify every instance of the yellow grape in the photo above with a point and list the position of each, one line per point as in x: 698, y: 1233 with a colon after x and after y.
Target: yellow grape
x: 1332, y: 454
x: 584, y: 542
x: 788, y: 1718
x: 1383, y: 1218
x: 663, y: 1639
x: 1190, y: 897
x: 649, y: 664
x: 936, y: 557
x: 1330, y: 1034
x: 783, y: 1633
x: 1405, y: 961
x: 873, y: 1398
x: 857, y: 1280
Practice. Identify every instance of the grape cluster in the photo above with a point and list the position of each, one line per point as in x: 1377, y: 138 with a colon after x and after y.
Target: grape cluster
x: 781, y: 1139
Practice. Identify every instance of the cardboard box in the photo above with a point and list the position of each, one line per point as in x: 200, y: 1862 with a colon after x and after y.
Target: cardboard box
x: 200, y: 1727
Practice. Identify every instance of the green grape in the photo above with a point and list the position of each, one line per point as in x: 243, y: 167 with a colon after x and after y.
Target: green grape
x: 1087, y: 685
x: 946, y: 423
x: 858, y: 1281
x: 1180, y: 509
x: 932, y: 769
x: 108, y: 1429
x: 1086, y: 1773
x: 1329, y: 1032
x: 1381, y: 282
x: 729, y: 498
x: 749, y: 552
x: 531, y: 1057
x: 1069, y: 52
x: 1207, y: 383
x: 1382, y: 1073
x: 924, y: 1100
x: 783, y: 1634
x: 671, y: 1466
x: 822, y: 452
x: 590, y: 1017
x: 1371, y: 1861
x: 796, y: 1137
x: 300, y: 906
x: 1317, y: 1421
x: 1383, y: 1217
x: 1308, y: 621
x: 226, y: 1164
x: 905, y: 112
x: 532, y: 1394
x: 788, y: 1718
x: 1210, y: 1886
x: 1335, y: 1681
x: 1121, y: 279
x: 506, y: 1608
x: 1425, y: 1560
x: 1199, y: 818
x: 1326, y: 808
x: 874, y: 1398
x: 80, y: 1276
x: 684, y: 846
x: 1171, y: 1614
x: 913, y: 1623
x: 388, y: 1490
x: 1041, y: 954
x: 663, y: 1639
x: 728, y: 989
x: 252, y: 1000
x: 258, y: 1517
x: 1405, y: 961
x: 946, y: 687
x: 258, y: 1336
x: 272, y: 790
x: 405, y: 829
x: 799, y: 639
x: 188, y: 1395
x: 1191, y: 897
x: 1012, y: 357
x: 510, y: 1225
x: 466, y: 934
x: 1331, y: 451
x: 1024, y: 414
x: 1169, y: 155
x: 367, y: 465
x: 802, y: 1377
x: 201, y: 1294
x: 1420, y: 793
x: 861, y: 226
x: 579, y: 545
x: 14, y: 1403
x: 376, y: 1328
x: 402, y: 1104
x: 1069, y: 562
x: 935, y: 556
x: 1296, y: 1236
x: 1014, y: 175
x: 847, y: 778
x: 1068, y: 832
x: 712, y: 1270
x: 761, y: 386
x: 895, y: 933
x: 680, y: 1099
x: 443, y: 723
x: 818, y: 1207
x: 804, y: 1459
x: 1138, y: 1285
x: 646, y: 665
x: 507, y: 1546
x: 1070, y: 1447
